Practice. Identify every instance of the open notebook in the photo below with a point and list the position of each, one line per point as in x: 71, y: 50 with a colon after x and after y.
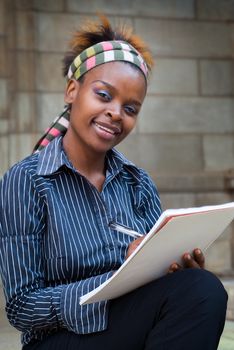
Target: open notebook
x: 177, y: 231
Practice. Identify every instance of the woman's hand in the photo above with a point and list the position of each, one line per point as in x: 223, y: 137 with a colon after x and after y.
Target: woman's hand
x: 133, y: 245
x: 195, y: 260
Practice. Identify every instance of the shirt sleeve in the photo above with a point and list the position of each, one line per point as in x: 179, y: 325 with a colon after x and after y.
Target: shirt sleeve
x: 30, y: 304
x: 151, y: 204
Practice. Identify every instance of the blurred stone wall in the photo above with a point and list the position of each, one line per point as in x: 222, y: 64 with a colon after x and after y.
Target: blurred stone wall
x: 185, y: 133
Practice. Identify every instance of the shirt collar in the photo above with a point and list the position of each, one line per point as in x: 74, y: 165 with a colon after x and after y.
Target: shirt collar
x: 53, y: 157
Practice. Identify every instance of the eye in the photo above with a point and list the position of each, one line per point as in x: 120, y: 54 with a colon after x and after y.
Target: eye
x: 105, y: 95
x: 131, y: 110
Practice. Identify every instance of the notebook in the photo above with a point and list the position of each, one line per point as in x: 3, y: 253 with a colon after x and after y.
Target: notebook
x: 176, y: 231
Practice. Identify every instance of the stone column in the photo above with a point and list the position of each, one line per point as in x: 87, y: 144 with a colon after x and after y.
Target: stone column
x: 4, y: 85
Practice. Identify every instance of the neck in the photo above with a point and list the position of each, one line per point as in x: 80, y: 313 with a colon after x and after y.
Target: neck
x: 89, y: 164
x: 83, y: 159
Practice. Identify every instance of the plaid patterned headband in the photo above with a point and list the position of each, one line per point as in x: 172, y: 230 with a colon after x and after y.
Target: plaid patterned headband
x: 103, y: 52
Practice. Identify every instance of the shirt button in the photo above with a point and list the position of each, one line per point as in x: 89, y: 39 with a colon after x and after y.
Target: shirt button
x: 109, y: 247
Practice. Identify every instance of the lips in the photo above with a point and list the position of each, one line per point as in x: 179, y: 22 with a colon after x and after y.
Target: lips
x: 109, y: 128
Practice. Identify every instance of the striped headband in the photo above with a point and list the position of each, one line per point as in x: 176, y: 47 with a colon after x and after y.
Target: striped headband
x: 103, y: 52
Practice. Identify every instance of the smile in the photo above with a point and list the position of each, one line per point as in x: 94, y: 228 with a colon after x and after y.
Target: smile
x: 113, y: 130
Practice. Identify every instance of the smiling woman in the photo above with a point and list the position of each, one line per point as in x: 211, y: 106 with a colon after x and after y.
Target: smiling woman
x: 56, y: 207
x: 104, y: 111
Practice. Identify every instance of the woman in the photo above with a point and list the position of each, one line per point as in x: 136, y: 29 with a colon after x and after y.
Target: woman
x: 56, y: 209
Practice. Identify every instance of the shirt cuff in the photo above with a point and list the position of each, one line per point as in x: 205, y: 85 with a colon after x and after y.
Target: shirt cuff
x: 83, y: 319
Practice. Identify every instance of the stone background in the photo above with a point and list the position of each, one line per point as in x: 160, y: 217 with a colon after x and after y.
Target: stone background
x: 185, y: 133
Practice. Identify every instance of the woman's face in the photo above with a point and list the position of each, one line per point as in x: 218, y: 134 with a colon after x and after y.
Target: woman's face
x: 105, y: 106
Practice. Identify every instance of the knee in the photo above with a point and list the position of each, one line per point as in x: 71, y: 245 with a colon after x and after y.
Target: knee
x: 208, y: 284
x: 205, y: 288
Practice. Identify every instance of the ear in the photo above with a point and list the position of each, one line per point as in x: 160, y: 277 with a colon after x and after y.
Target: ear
x: 71, y: 91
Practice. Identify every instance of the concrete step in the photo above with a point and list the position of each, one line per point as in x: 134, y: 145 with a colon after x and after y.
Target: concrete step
x: 9, y: 336
x: 229, y: 286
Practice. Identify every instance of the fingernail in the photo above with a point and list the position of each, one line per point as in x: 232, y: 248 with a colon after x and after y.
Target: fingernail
x: 187, y: 256
x: 198, y: 251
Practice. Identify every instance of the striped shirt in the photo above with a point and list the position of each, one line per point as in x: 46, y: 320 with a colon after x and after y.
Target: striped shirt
x: 55, y: 240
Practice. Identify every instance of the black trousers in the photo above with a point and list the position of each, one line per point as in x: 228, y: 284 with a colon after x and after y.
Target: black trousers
x: 180, y: 311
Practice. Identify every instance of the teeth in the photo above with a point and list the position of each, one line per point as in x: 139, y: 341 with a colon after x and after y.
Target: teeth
x: 105, y: 129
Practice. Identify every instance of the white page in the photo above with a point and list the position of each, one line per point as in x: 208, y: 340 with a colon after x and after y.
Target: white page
x: 157, y: 251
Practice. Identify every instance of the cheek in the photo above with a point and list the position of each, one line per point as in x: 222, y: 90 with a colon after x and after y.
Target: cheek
x: 130, y: 123
x: 78, y: 113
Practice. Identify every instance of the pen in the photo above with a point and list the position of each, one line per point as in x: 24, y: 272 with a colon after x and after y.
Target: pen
x: 125, y: 230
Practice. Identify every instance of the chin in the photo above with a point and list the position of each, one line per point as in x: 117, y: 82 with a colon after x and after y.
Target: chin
x: 100, y: 150
x: 103, y: 148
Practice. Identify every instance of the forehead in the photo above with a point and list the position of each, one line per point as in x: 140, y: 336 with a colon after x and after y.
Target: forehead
x: 118, y: 74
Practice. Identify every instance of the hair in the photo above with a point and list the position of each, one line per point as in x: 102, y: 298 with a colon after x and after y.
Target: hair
x: 91, y: 33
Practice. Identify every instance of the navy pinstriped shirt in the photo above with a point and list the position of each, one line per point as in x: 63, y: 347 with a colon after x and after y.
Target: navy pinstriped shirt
x: 55, y: 242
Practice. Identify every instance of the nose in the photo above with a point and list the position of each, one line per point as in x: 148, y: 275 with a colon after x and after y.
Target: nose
x: 114, y: 113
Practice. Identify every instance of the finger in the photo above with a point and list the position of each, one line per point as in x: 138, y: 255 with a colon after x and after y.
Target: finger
x: 174, y: 267
x: 189, y: 262
x: 133, y: 245
x: 199, y: 257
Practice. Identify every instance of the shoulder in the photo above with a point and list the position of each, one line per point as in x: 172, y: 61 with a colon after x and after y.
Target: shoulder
x: 27, y: 165
x: 134, y: 174
x: 44, y: 162
x: 25, y: 169
x: 128, y: 167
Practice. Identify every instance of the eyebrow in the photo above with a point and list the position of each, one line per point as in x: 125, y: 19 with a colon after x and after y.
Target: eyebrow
x: 112, y: 87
